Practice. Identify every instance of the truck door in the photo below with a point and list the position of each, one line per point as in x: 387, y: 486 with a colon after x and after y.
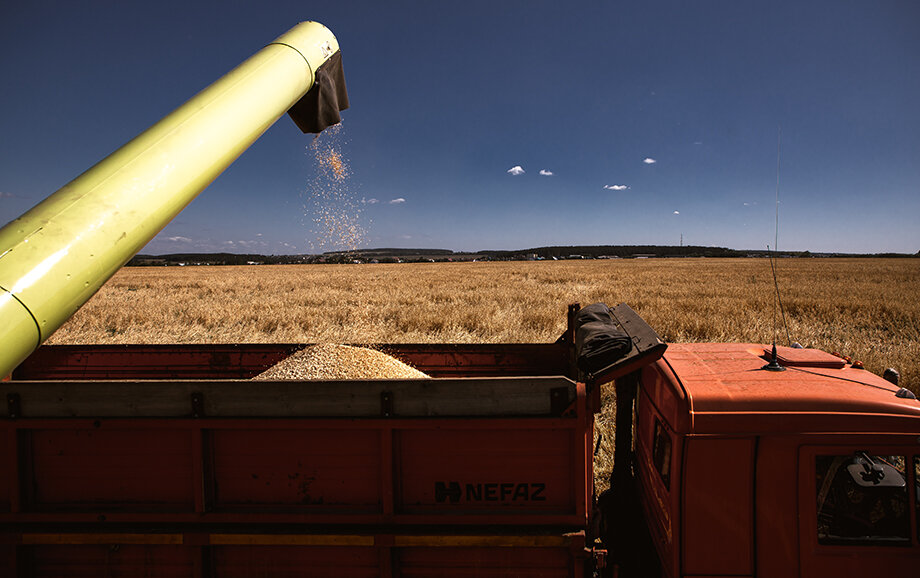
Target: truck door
x: 858, y: 509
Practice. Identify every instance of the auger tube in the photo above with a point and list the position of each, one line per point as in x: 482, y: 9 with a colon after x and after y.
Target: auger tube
x: 58, y: 254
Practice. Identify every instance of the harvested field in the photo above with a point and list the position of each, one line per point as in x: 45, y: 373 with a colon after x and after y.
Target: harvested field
x: 866, y: 308
x: 328, y: 361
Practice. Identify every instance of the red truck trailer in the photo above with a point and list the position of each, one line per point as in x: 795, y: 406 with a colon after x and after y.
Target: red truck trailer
x: 169, y: 461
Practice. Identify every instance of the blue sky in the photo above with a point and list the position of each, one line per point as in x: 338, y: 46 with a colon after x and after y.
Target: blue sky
x: 447, y: 97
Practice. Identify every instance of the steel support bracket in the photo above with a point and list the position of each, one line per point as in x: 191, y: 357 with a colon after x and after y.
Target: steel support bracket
x: 600, y: 558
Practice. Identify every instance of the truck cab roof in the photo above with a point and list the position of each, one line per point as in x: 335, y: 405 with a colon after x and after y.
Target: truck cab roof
x: 723, y: 388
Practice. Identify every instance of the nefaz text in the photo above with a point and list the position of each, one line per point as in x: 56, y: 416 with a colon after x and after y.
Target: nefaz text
x: 490, y: 492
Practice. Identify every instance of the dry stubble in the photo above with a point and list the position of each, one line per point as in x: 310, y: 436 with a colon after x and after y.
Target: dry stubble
x: 866, y: 308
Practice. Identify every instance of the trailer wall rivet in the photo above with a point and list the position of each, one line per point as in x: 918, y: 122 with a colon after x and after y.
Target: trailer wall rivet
x: 386, y: 403
x: 13, y: 405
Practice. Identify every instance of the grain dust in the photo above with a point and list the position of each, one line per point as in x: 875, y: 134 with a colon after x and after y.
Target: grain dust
x: 332, y: 205
x: 329, y: 361
x: 333, y: 160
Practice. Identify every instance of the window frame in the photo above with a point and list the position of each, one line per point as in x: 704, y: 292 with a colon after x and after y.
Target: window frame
x: 808, y: 494
x: 662, y: 462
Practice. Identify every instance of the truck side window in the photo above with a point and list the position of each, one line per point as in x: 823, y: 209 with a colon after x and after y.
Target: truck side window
x: 661, y: 453
x: 862, y: 498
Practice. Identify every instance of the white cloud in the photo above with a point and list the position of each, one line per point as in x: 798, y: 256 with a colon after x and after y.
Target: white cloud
x: 616, y: 187
x: 398, y: 201
x: 649, y: 161
x: 697, y: 142
x: 6, y: 195
x: 249, y: 244
x: 370, y: 201
x: 546, y: 173
x: 258, y: 234
x: 676, y: 212
x: 516, y: 170
x: 179, y: 239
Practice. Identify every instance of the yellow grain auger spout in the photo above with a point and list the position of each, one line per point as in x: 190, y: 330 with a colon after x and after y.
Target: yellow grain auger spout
x: 58, y: 254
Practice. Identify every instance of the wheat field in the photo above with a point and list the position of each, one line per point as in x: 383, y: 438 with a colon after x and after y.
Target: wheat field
x: 868, y: 309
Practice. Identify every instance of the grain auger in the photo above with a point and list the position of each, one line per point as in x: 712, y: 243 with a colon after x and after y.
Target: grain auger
x: 58, y: 254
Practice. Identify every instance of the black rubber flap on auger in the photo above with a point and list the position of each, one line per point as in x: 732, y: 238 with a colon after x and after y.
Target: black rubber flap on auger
x: 320, y: 107
x: 610, y: 343
x: 599, y: 341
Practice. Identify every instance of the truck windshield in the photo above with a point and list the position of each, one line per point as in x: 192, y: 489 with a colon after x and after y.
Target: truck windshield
x: 862, y: 498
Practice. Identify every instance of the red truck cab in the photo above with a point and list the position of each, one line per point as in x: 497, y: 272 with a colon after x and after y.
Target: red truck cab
x: 741, y: 471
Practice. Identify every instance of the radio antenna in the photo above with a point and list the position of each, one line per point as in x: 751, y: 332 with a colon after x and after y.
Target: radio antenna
x: 774, y: 364
x: 779, y: 136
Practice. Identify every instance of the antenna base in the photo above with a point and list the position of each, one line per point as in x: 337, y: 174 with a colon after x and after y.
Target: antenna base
x: 774, y: 363
x: 773, y: 366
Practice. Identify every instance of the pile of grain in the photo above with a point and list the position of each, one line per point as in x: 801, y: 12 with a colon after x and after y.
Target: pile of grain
x: 339, y: 362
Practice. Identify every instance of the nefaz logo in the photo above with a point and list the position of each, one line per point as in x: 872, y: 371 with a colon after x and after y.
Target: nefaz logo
x: 495, y: 492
